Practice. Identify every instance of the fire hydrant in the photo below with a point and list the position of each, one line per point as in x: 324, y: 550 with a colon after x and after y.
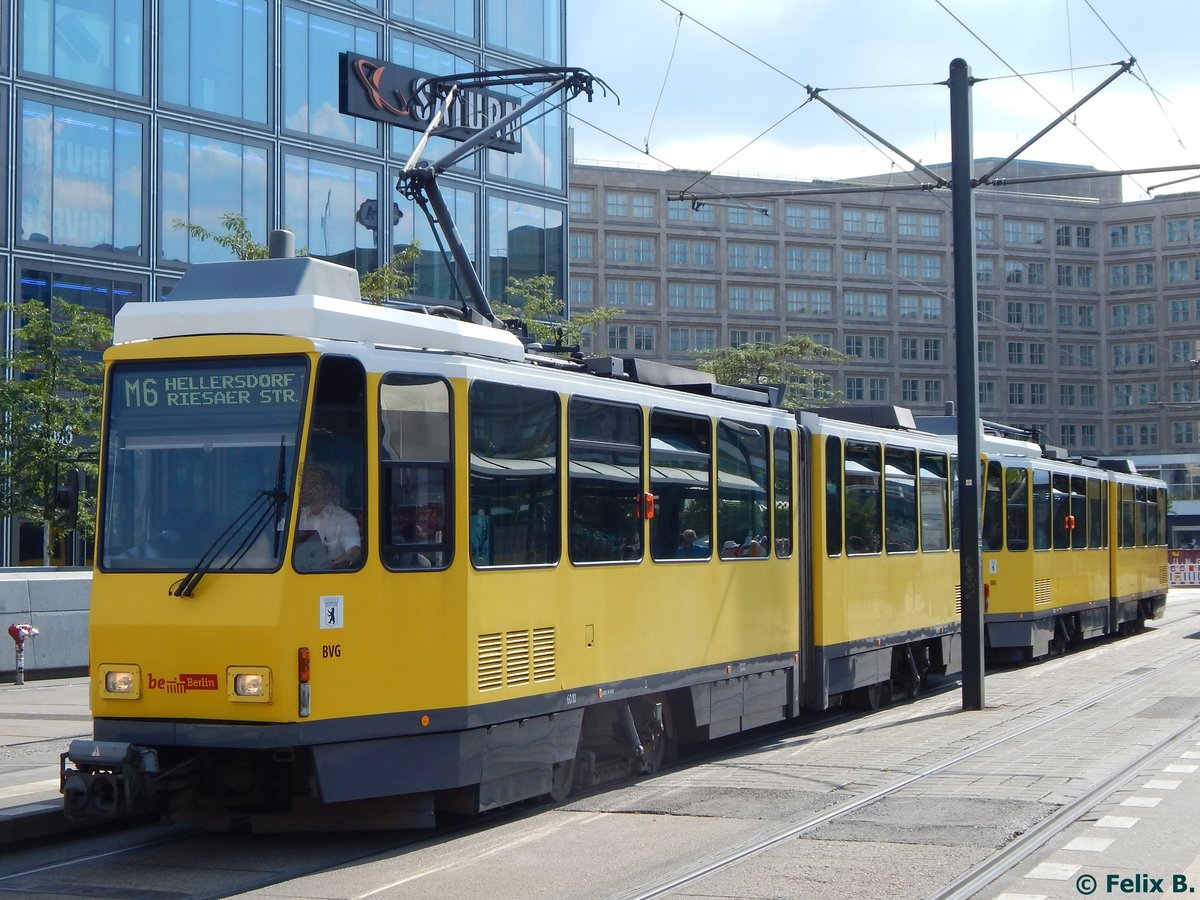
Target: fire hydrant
x: 19, y: 634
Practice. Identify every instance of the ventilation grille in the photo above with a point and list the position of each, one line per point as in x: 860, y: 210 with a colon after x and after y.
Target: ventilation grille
x: 491, y: 662
x: 515, y: 658
x: 1041, y: 592
x: 544, y: 668
x: 958, y: 600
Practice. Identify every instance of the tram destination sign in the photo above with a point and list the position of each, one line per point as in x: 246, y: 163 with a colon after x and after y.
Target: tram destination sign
x: 396, y: 95
x: 142, y: 390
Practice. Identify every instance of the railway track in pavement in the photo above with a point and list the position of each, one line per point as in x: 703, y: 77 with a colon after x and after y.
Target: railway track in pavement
x: 1005, y: 857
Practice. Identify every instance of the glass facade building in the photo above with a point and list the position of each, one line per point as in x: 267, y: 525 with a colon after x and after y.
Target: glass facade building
x: 125, y: 119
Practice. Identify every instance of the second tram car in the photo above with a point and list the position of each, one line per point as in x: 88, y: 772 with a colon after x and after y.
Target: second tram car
x: 356, y: 565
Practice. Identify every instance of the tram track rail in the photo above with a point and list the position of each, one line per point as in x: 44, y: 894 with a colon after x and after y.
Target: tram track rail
x: 1007, y: 856
x: 1011, y: 854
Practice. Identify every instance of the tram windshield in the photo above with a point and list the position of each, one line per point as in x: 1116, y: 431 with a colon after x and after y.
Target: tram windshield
x: 200, y: 462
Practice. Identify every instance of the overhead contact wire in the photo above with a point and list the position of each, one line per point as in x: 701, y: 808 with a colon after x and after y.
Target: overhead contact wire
x: 666, y: 75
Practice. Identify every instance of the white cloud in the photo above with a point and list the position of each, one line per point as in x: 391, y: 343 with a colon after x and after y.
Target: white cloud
x: 718, y: 98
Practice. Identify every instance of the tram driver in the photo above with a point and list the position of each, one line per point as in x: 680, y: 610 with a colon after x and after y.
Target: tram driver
x: 333, y: 533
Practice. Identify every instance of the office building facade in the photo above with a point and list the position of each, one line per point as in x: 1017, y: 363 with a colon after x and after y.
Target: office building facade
x: 124, y: 118
x: 1088, y: 308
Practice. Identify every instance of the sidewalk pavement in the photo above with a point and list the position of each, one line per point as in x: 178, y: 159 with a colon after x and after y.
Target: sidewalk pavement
x: 38, y: 721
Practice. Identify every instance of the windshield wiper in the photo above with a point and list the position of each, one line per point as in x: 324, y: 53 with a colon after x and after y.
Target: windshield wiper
x: 267, y: 506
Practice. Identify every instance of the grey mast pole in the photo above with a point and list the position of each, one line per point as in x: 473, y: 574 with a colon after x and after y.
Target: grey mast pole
x: 967, y: 382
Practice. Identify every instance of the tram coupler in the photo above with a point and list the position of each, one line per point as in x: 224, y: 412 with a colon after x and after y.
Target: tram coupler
x: 20, y: 634
x: 109, y: 780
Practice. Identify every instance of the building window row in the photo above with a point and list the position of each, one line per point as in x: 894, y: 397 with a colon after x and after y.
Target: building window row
x: 1073, y: 236
x: 1139, y: 234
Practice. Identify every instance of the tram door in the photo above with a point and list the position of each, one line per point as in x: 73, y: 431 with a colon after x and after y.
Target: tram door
x: 793, y: 530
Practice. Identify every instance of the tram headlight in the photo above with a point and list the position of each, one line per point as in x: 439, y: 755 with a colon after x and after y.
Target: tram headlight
x: 250, y: 684
x: 119, y: 681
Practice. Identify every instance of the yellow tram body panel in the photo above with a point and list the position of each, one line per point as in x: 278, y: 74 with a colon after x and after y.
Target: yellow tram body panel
x: 611, y: 627
x: 1139, y: 571
x: 1032, y: 581
x: 863, y: 597
x: 426, y: 641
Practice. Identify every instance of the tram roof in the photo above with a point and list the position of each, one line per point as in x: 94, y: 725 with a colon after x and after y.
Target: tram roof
x: 302, y: 297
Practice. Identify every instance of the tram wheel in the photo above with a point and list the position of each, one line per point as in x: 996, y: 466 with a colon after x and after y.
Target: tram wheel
x: 654, y: 752
x: 873, y: 696
x: 562, y: 780
x: 913, y: 687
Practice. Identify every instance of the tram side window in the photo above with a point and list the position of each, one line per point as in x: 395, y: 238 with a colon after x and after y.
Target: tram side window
x: 935, y: 520
x: 833, y: 496
x: 863, y: 497
x: 1016, y: 505
x: 514, y: 494
x: 1144, y: 517
x: 1060, y: 499
x: 1096, y: 512
x: 1160, y: 503
x: 681, y: 482
x: 1079, y: 512
x: 1128, y: 514
x: 743, y: 492
x: 993, y: 509
x: 783, y: 492
x: 416, y: 473
x: 329, y: 530
x: 1042, y: 514
x: 955, y: 525
x: 605, y: 482
x: 900, y: 500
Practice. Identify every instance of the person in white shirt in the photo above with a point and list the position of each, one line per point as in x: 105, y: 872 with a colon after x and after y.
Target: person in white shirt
x: 319, y: 512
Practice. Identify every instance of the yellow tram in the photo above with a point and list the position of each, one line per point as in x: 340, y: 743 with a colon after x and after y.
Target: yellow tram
x: 1069, y: 551
x: 537, y: 576
x: 356, y: 564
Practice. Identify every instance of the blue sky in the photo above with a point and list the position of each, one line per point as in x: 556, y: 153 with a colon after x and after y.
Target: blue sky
x: 696, y: 100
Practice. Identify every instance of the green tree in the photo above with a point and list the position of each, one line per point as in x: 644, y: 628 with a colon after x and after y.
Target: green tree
x: 50, y: 407
x: 236, y: 238
x: 785, y: 363
x: 532, y: 300
x: 394, y: 280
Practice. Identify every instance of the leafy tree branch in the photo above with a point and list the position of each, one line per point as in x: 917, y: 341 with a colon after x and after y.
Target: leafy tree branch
x: 533, y: 301
x: 394, y: 280
x: 788, y: 362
